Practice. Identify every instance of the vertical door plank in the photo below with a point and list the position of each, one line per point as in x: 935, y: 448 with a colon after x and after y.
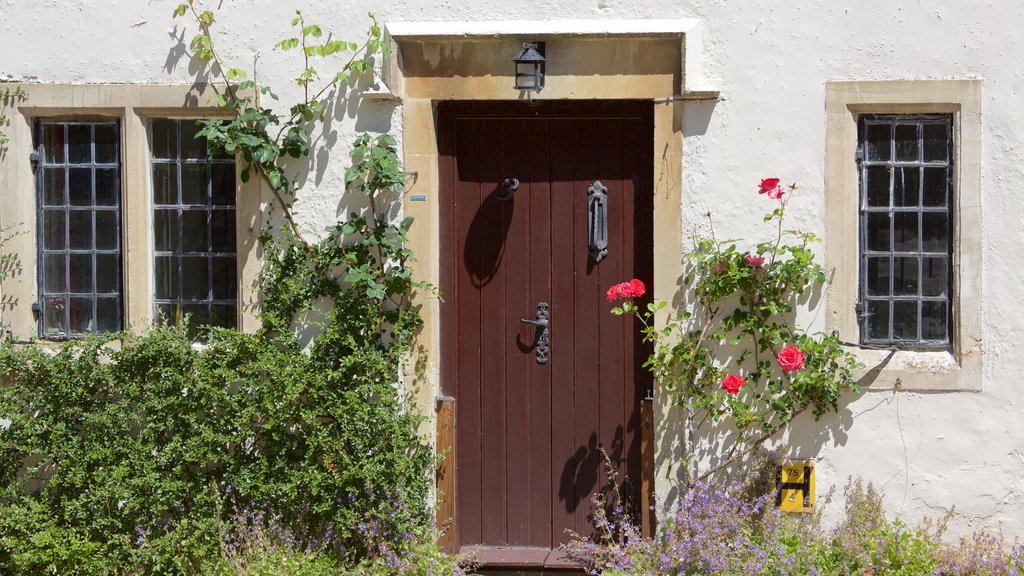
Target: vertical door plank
x: 631, y: 344
x: 563, y: 343
x: 494, y: 222
x: 587, y: 312
x: 445, y: 475
x: 466, y: 256
x: 613, y: 269
x: 536, y: 140
x: 519, y: 356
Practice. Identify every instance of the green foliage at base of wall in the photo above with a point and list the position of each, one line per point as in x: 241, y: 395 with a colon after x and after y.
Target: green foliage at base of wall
x: 142, y: 457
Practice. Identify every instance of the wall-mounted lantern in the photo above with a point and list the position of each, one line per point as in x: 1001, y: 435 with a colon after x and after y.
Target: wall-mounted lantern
x: 530, y: 67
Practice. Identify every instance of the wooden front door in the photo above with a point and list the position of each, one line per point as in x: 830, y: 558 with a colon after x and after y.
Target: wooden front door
x: 531, y: 424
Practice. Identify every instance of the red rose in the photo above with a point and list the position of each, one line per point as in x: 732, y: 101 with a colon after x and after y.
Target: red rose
x: 732, y: 383
x: 754, y: 261
x: 790, y: 359
x: 613, y: 293
x: 637, y: 287
x: 767, y: 185
x: 632, y: 289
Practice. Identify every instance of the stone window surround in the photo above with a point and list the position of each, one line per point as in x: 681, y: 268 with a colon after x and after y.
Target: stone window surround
x: 134, y: 105
x: 959, y: 368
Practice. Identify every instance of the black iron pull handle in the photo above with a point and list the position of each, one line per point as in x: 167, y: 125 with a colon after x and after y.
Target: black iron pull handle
x: 508, y: 187
x: 597, y: 220
x: 543, y: 325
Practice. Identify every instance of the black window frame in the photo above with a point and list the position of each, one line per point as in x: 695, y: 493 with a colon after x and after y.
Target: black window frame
x: 177, y: 254
x: 41, y: 163
x: 866, y: 207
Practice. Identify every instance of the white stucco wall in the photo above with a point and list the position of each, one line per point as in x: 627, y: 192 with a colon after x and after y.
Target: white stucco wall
x: 771, y: 59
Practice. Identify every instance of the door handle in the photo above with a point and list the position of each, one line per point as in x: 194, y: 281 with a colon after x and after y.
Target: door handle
x: 543, y: 325
x: 597, y: 220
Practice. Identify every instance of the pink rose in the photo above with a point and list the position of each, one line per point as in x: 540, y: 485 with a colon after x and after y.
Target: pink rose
x: 732, y: 383
x: 719, y: 268
x: 755, y: 261
x: 790, y: 359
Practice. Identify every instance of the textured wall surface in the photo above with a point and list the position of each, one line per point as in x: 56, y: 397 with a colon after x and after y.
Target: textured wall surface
x: 771, y: 59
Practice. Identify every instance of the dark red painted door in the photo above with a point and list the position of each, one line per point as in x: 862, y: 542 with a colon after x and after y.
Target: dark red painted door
x: 529, y: 435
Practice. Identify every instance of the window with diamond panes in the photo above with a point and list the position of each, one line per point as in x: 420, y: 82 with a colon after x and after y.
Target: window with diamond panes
x: 195, y: 271
x: 906, y: 230
x: 79, y: 232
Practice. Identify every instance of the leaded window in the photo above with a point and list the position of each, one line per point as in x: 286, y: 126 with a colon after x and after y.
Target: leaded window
x: 79, y: 233
x: 906, y: 230
x: 195, y: 272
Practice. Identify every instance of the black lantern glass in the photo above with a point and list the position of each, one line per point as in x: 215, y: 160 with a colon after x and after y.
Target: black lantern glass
x: 530, y: 67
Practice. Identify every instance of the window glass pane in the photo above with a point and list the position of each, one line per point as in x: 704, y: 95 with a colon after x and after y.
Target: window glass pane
x: 53, y: 230
x: 165, y: 184
x: 225, y: 284
x: 222, y: 229
x: 904, y: 320
x: 935, y: 228
x: 165, y: 138
x: 878, y: 276
x: 79, y: 145
x: 195, y: 278
x: 53, y: 187
x: 935, y: 186
x: 223, y: 184
x: 934, y: 279
x: 193, y: 230
x: 191, y: 147
x: 879, y: 141
x: 223, y: 315
x: 106, y: 187
x: 80, y: 229
x: 907, y: 143
x: 80, y: 187
x: 934, y: 317
x: 165, y: 230
x: 53, y: 143
x: 53, y: 316
x: 106, y: 230
x: 80, y: 312
x: 194, y: 181
x: 108, y: 273
x: 166, y: 277
x: 108, y: 315
x: 198, y: 319
x: 80, y: 270
x: 878, y: 319
x: 878, y: 232
x: 905, y: 232
x: 878, y: 185
x: 55, y: 273
x: 106, y: 143
x: 906, y: 184
x: 904, y: 278
x: 936, y: 142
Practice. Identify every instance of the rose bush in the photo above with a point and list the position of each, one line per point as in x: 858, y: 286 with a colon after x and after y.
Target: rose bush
x: 716, y: 354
